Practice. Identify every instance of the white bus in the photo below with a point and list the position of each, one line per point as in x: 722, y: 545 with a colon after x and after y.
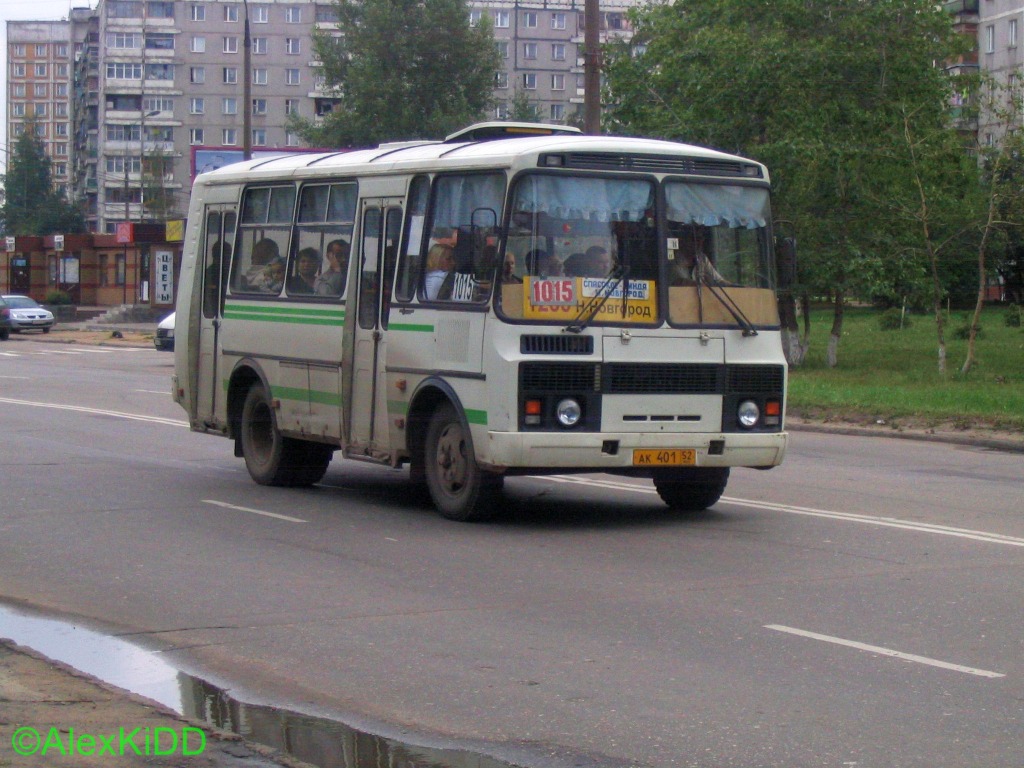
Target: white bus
x: 516, y: 299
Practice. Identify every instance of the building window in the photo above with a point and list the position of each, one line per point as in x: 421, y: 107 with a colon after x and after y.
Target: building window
x: 230, y: 75
x: 558, y: 51
x: 196, y: 105
x: 229, y: 137
x: 259, y: 106
x: 990, y: 39
x: 18, y: 110
x: 260, y: 14
x: 230, y: 105
x: 198, y: 44
x: 558, y: 82
x: 293, y: 15
x: 40, y: 50
x: 501, y: 112
x: 197, y: 75
x: 291, y: 106
x: 159, y: 71
x: 160, y: 10
x: 291, y: 77
x: 60, y: 70
x: 60, y: 149
x: 530, y: 19
x: 40, y: 70
x: 259, y: 137
x: 18, y: 70
x: 19, y: 49
x: 558, y: 20
x: 18, y: 90
x: 291, y: 45
x: 61, y: 130
x: 291, y: 139
x: 39, y: 90
x: 40, y: 110
x: 61, y: 50
x: 501, y: 79
x: 230, y: 45
x: 529, y: 50
x: 501, y: 19
x: 195, y: 135
x: 231, y: 13
x: 259, y: 76
x: 123, y: 40
x: 558, y: 111
x: 120, y: 70
x: 124, y: 9
x: 60, y: 110
x: 198, y: 13
x: 259, y: 45
x: 124, y: 133
x: 502, y: 46
x: 1012, y: 34
x: 530, y: 81
x: 160, y: 41
x: 474, y: 17
x: 157, y: 104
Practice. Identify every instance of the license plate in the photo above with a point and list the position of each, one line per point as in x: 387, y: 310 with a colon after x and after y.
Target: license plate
x: 664, y: 457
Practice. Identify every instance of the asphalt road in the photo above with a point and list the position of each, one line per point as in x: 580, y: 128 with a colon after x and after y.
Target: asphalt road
x: 858, y: 606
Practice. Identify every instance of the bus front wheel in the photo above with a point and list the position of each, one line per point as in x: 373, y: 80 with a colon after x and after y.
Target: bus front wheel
x: 692, y: 489
x: 271, y: 458
x: 459, y: 488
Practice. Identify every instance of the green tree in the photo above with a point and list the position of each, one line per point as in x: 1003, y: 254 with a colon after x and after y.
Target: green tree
x: 402, y: 69
x: 820, y: 91
x: 522, y: 109
x: 32, y: 205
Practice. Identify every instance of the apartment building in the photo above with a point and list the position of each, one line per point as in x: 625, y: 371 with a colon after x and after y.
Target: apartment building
x: 1000, y: 53
x: 39, y: 60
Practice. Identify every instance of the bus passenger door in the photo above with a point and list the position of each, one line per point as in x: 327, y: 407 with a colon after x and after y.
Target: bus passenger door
x: 367, y: 406
x: 218, y: 235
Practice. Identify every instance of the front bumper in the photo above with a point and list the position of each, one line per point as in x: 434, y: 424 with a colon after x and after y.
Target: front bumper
x: 608, y: 451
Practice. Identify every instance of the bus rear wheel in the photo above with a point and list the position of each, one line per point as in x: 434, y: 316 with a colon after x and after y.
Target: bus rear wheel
x: 271, y: 458
x: 692, y: 489
x: 459, y: 488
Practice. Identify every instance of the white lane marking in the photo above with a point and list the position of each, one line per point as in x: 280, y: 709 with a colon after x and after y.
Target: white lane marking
x: 98, y: 411
x: 9, y: 354
x: 155, y: 391
x: 885, y: 522
x: 14, y: 377
x: 254, y: 511
x: 884, y: 651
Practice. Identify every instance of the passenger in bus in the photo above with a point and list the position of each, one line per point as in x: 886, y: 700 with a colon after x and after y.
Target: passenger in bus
x: 440, y: 269
x: 331, y: 282
x: 543, y: 264
x: 307, y: 264
x: 575, y: 265
x: 273, y: 276
x: 264, y: 252
x: 691, y: 264
x: 597, y: 262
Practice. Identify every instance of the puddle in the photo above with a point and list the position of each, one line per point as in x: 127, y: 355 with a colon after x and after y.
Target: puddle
x: 315, y: 740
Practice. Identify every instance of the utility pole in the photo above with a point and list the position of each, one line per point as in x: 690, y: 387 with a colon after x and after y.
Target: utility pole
x: 246, y: 87
x: 591, y: 68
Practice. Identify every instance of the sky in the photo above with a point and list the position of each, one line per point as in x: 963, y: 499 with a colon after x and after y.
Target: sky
x: 36, y: 10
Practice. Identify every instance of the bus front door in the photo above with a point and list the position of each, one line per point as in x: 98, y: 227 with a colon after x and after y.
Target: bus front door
x: 378, y: 247
x: 218, y: 234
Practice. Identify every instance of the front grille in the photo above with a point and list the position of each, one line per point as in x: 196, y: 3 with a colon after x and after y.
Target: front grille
x: 562, y: 377
x: 653, y: 378
x: 765, y: 379
x: 662, y: 378
x: 549, y: 344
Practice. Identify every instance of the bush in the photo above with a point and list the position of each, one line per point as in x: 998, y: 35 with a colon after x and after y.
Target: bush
x: 1012, y: 318
x: 963, y: 332
x: 57, y: 298
x: 893, y: 319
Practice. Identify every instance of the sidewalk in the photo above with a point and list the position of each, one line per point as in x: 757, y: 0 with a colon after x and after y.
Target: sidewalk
x: 52, y: 715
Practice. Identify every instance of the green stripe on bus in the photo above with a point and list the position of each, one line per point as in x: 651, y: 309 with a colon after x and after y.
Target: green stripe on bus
x: 474, y: 416
x: 332, y: 321
x: 290, y: 393
x: 289, y: 310
x: 324, y: 398
x: 415, y: 327
x: 398, y: 407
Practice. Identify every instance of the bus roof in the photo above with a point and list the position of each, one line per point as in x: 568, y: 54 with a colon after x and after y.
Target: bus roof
x: 465, y: 150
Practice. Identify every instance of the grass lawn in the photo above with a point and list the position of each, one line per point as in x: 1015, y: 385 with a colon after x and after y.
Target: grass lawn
x: 893, y: 375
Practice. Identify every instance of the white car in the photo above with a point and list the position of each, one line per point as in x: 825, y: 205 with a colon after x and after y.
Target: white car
x: 164, y: 339
x: 27, y: 315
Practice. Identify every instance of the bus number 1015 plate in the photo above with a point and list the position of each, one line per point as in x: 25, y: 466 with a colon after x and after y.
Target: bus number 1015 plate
x: 664, y: 457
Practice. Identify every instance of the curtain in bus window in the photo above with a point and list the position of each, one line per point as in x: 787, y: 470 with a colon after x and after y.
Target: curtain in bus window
x: 564, y: 197
x: 712, y: 205
x: 458, y: 197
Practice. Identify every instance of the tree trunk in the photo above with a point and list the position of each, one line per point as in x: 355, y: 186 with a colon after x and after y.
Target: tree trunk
x: 976, y: 319
x: 832, y: 356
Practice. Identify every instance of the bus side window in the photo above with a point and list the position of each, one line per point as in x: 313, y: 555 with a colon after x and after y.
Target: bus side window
x: 410, y: 265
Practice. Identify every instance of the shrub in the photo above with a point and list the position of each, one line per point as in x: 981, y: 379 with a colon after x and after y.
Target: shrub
x: 57, y: 298
x: 893, y: 319
x: 964, y: 332
x: 1012, y: 318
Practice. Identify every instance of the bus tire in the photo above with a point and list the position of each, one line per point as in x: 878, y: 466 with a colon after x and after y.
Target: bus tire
x: 270, y: 457
x: 692, y: 490
x: 459, y: 488
x: 313, y: 461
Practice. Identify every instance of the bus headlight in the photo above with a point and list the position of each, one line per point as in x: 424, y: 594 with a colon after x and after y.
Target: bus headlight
x: 568, y: 412
x: 748, y: 413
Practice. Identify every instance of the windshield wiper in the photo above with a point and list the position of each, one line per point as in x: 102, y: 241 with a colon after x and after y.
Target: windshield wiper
x: 724, y: 298
x: 594, y: 304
